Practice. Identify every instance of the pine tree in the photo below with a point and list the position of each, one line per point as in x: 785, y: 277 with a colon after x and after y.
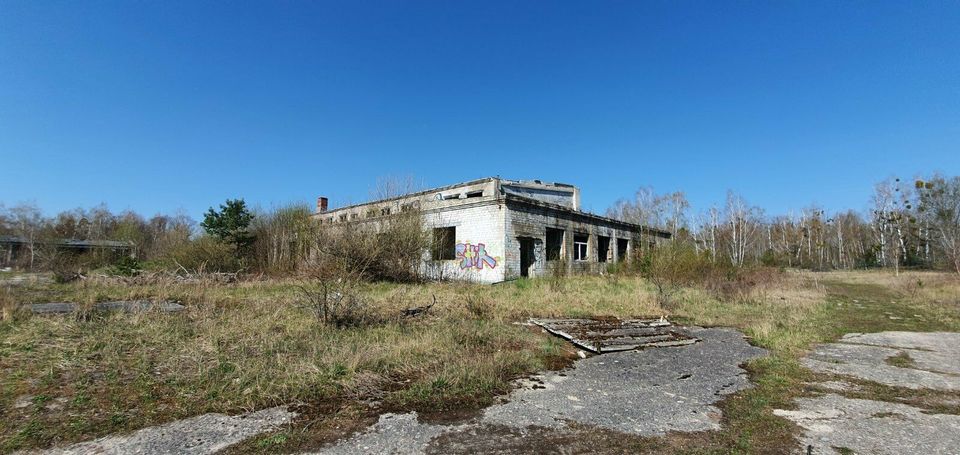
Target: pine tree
x: 230, y: 224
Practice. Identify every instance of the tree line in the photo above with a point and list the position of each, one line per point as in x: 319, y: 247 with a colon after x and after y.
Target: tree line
x: 912, y: 224
x: 231, y: 238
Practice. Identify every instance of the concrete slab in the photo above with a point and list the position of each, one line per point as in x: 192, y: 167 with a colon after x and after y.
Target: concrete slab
x: 204, y: 434
x: 935, y: 359
x: 129, y: 306
x: 646, y: 392
x: 835, y: 424
x: 393, y: 434
x: 832, y: 423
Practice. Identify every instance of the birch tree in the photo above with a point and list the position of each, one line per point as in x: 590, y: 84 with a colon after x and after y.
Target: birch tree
x: 940, y: 207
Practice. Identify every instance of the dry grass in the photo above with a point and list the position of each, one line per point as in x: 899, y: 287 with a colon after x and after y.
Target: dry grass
x: 250, y: 345
x: 8, y: 305
x: 230, y: 354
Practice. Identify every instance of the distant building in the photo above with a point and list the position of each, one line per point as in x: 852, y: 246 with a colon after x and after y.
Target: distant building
x: 491, y: 230
x: 14, y: 249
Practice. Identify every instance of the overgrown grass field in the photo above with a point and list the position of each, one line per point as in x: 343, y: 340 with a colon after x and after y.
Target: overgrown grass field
x: 255, y: 344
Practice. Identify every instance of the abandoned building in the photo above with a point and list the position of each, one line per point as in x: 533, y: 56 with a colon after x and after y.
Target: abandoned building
x: 14, y: 250
x: 491, y: 230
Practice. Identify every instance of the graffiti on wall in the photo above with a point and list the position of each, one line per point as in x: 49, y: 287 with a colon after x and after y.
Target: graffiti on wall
x: 474, y: 256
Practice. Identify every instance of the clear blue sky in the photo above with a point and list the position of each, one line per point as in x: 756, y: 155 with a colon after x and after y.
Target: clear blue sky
x: 161, y: 105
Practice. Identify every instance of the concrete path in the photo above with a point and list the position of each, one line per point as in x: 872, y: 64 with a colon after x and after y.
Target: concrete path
x: 644, y: 393
x: 833, y: 423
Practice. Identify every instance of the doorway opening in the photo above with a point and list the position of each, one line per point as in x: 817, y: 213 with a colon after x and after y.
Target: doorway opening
x: 527, y: 256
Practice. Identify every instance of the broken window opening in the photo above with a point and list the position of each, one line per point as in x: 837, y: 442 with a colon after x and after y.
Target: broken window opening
x: 385, y: 211
x: 372, y: 213
x: 343, y: 217
x: 444, y: 244
x: 475, y: 194
x: 580, y: 246
x: 603, y: 248
x: 554, y: 244
x: 354, y: 216
x: 622, y: 245
x: 451, y: 196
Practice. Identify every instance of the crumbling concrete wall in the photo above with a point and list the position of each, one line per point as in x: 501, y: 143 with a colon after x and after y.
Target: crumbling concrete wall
x: 532, y: 221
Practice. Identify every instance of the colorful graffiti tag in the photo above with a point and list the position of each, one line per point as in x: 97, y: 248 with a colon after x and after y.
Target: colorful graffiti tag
x: 474, y: 256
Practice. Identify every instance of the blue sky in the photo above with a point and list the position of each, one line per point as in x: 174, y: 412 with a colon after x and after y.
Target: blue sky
x: 162, y: 105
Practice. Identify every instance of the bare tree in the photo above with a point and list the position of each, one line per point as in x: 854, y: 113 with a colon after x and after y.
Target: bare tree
x: 939, y: 207
x: 27, y: 222
x: 742, y: 222
x: 667, y: 211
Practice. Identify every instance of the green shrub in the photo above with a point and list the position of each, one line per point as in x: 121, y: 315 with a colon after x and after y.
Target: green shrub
x: 125, y: 266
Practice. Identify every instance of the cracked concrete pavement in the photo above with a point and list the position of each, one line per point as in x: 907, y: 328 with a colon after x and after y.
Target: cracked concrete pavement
x: 203, y: 434
x: 833, y: 423
x: 645, y: 393
x: 935, y: 357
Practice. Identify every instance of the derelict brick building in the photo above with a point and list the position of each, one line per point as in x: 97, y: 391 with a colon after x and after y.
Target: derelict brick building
x: 491, y: 230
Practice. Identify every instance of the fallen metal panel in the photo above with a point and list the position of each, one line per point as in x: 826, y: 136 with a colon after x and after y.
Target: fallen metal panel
x: 612, y: 335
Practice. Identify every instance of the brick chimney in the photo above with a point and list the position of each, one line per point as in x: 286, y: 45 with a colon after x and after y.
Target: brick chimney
x: 321, y: 204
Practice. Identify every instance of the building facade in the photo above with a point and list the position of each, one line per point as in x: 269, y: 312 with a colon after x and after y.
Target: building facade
x: 493, y: 230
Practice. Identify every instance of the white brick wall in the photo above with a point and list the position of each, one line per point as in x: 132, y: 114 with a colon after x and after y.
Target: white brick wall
x: 481, y: 224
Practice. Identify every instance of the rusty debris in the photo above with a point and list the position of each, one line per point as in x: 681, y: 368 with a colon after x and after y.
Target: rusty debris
x: 611, y: 335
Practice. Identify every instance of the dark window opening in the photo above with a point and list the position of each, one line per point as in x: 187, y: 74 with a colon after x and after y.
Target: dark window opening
x: 580, y: 247
x: 385, y: 211
x: 603, y: 248
x: 451, y: 196
x: 372, y: 213
x: 444, y: 243
x: 475, y: 194
x: 554, y: 244
x: 343, y: 217
x: 354, y: 216
x: 622, y: 249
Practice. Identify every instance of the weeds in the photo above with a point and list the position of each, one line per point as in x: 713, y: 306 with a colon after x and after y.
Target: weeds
x: 9, y: 307
x: 900, y: 360
x: 335, y: 303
